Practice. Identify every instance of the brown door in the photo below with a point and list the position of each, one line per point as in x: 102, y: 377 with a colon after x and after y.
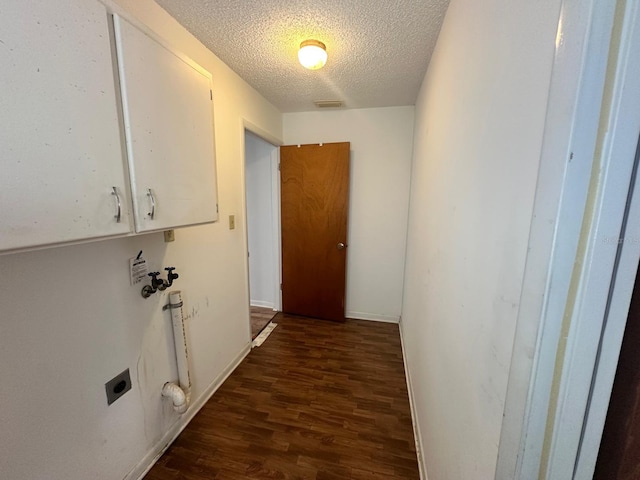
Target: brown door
x: 314, y: 208
x: 619, y: 456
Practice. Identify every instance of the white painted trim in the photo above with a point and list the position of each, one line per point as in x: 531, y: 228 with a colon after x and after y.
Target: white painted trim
x: 417, y: 435
x: 607, y: 282
x: 149, y: 460
x: 571, y: 125
x: 259, y: 303
x: 610, y: 346
x: 587, y: 316
x: 276, y: 227
x: 246, y: 125
x: 245, y: 223
x: 374, y: 317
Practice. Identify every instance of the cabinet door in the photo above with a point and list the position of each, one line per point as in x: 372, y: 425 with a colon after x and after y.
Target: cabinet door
x: 60, y: 143
x: 169, y: 132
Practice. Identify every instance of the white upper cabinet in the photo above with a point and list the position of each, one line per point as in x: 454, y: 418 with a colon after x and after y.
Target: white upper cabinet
x: 168, y: 117
x: 61, y: 152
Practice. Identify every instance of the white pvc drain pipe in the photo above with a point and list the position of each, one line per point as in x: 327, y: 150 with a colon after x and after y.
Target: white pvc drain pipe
x: 180, y: 394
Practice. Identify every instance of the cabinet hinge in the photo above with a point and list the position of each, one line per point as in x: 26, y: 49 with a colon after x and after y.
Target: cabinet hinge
x: 280, y: 286
x: 217, y: 208
x: 278, y: 166
x: 211, y: 94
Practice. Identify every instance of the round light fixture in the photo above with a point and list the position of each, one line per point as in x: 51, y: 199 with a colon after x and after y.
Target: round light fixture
x: 312, y: 54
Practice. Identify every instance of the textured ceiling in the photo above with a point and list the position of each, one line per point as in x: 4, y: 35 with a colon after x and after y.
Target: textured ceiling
x: 378, y: 49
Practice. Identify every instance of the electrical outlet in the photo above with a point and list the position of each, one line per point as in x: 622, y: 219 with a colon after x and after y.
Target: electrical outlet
x: 118, y: 386
x: 232, y: 222
x: 169, y: 236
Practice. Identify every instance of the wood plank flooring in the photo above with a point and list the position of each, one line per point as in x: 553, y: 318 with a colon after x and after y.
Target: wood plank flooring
x: 260, y: 318
x: 317, y: 401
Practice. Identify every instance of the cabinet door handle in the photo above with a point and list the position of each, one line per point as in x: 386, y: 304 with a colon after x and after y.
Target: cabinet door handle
x: 152, y: 199
x: 118, y: 204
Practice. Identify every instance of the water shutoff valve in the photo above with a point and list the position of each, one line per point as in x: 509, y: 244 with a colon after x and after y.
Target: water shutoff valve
x: 158, y: 283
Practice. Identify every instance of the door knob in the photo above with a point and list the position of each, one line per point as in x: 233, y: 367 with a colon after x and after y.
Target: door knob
x: 341, y: 246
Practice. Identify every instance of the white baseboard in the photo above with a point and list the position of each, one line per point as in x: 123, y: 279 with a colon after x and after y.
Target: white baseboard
x: 260, y: 303
x: 374, y: 317
x: 149, y: 460
x: 414, y: 415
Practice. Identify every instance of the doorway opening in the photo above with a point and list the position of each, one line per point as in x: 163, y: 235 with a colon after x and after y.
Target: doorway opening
x: 262, y: 200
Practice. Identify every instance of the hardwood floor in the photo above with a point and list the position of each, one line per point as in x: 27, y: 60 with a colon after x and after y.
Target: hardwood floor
x: 260, y: 318
x: 318, y: 400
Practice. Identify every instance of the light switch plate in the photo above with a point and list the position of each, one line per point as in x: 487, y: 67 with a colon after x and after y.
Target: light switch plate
x: 169, y: 236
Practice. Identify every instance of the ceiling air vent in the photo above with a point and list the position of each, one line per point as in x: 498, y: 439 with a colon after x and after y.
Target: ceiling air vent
x: 328, y: 103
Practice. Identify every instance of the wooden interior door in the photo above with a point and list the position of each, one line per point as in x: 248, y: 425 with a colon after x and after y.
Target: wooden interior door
x: 314, y: 213
x: 619, y: 456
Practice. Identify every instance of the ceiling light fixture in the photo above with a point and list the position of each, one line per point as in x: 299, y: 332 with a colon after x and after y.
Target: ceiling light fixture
x: 312, y: 54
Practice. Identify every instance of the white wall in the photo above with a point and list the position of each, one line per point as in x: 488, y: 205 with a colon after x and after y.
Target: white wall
x: 70, y: 320
x: 381, y: 145
x: 263, y: 265
x: 478, y: 134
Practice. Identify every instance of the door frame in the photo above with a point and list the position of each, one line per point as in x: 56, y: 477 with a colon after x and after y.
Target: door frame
x: 610, y: 274
x: 276, y: 225
x: 577, y: 287
x: 246, y: 125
